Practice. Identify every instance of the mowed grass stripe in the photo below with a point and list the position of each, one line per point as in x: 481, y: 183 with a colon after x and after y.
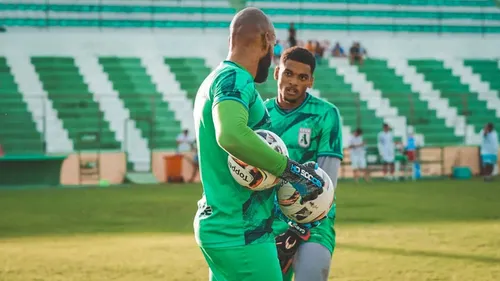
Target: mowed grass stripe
x: 170, y: 208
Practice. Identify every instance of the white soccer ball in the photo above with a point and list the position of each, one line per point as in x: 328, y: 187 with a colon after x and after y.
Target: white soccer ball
x: 254, y: 178
x: 289, y: 200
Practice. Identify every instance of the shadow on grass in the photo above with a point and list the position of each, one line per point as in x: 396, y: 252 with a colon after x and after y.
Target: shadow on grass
x: 419, y: 253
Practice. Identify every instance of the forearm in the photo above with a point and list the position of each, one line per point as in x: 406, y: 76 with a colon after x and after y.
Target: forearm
x: 236, y: 138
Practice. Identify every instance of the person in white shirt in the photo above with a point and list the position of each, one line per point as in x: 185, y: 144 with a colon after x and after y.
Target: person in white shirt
x: 184, y: 142
x: 489, y: 150
x: 358, y: 155
x: 386, y: 149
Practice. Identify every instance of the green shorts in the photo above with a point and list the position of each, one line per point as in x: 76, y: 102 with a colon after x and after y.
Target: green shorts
x: 254, y: 262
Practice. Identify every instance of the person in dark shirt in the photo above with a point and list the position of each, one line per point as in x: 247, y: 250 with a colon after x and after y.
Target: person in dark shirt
x: 338, y: 51
x: 356, y: 53
x: 292, y: 39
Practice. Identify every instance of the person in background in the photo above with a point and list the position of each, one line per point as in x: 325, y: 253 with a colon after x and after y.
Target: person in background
x: 310, y: 47
x: 356, y: 54
x: 358, y: 155
x: 318, y: 52
x: 184, y: 142
x: 338, y: 51
x: 278, y: 50
x: 386, y: 150
x: 292, y: 35
x: 411, y: 153
x: 489, y: 150
x: 400, y: 161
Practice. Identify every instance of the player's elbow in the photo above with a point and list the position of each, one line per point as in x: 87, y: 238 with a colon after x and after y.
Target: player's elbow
x: 227, y: 141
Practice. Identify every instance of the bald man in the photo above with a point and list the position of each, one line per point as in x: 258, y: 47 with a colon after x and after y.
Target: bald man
x: 233, y: 225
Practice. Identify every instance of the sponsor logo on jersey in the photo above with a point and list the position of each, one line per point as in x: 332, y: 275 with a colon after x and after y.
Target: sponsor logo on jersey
x: 304, y: 137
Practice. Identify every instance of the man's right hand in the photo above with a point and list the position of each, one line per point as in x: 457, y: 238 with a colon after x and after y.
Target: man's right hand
x: 304, y: 178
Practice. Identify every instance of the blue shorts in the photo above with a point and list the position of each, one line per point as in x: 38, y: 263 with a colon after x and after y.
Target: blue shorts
x: 489, y: 159
x: 195, y: 159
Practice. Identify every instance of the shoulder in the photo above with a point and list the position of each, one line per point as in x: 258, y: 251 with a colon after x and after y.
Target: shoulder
x: 269, y: 102
x: 323, y: 107
x: 230, y: 78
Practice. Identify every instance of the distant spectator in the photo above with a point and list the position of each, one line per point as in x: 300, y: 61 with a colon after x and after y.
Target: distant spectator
x: 386, y: 151
x: 278, y: 49
x: 310, y: 46
x: 489, y: 151
x: 356, y: 54
x: 358, y: 155
x: 338, y: 51
x: 184, y: 142
x: 292, y: 35
x: 318, y: 52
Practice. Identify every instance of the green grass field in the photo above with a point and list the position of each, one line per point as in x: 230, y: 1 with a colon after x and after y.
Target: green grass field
x: 430, y: 230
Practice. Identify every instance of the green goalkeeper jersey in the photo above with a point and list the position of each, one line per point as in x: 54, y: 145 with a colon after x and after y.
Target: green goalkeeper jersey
x: 310, y: 131
x: 228, y: 214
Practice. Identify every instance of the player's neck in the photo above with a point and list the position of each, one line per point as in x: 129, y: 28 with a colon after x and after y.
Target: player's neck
x: 283, y: 104
x: 244, y: 61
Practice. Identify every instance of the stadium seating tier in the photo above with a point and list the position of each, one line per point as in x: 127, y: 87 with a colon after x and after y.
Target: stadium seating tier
x: 458, y: 94
x: 407, y: 102
x: 73, y: 102
x: 150, y: 112
x: 18, y: 133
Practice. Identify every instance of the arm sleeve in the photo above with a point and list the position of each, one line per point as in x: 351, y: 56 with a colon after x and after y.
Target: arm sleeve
x: 330, y: 143
x: 230, y: 119
x: 331, y: 166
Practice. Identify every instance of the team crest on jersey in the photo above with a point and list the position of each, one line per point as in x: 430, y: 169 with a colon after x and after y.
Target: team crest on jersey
x: 305, y: 137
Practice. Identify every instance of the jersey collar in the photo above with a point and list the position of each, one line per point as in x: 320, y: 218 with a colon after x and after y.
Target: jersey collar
x: 237, y: 65
x: 282, y: 112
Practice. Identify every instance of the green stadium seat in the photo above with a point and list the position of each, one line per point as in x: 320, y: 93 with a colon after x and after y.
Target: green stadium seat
x: 73, y: 102
x: 407, y: 102
x: 189, y: 72
x: 152, y: 114
x: 18, y: 133
x: 459, y: 95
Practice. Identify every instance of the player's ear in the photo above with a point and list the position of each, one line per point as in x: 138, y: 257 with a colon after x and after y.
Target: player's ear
x: 276, y: 72
x: 311, y: 82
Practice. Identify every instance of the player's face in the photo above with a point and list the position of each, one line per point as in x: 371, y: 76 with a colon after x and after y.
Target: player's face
x: 293, y: 80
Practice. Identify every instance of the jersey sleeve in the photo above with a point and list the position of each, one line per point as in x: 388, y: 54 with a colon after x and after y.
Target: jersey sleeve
x: 330, y: 143
x: 236, y: 86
